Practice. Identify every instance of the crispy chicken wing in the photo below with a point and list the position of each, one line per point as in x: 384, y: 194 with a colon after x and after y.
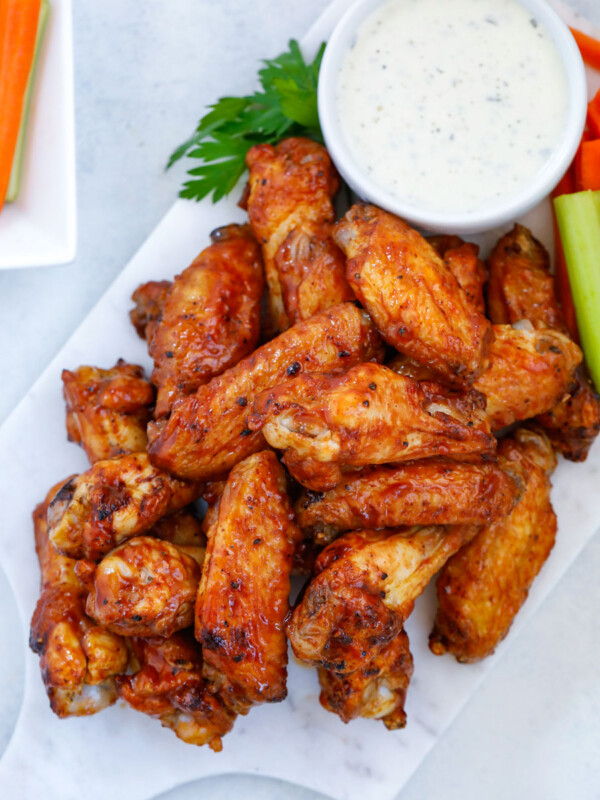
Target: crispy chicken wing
x: 529, y: 373
x: 376, y: 691
x: 414, y: 299
x: 482, y: 587
x: 429, y: 492
x: 289, y: 192
x: 210, y: 319
x: 108, y: 409
x: 462, y: 259
x: 242, y: 601
x: 521, y: 287
x: 149, y: 299
x: 78, y: 659
x: 365, y: 588
x: 169, y: 685
x: 370, y: 415
x: 146, y: 587
x: 183, y: 528
x: 112, y: 502
x: 208, y: 433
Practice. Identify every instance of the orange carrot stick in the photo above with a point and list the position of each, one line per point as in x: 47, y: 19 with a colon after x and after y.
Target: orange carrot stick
x: 18, y: 32
x: 588, y: 47
x: 593, y: 116
x: 590, y: 165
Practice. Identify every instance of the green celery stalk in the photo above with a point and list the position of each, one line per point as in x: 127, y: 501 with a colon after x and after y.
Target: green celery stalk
x: 578, y: 217
x: 14, y: 184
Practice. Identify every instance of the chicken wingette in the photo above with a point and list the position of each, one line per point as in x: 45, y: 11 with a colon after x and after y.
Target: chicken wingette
x: 149, y: 299
x: 462, y: 259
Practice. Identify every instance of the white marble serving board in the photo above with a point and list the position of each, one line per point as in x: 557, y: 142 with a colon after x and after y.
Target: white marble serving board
x: 121, y: 754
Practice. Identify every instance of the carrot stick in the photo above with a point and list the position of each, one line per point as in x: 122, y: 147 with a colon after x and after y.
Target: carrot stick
x: 588, y: 47
x: 18, y: 31
x: 590, y: 165
x: 577, y: 163
x: 593, y: 116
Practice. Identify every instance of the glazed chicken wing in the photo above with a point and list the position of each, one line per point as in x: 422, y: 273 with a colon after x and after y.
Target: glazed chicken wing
x: 210, y: 319
x: 462, y: 259
x: 108, y: 409
x: 365, y: 588
x: 482, y: 587
x: 435, y: 491
x: 183, y: 528
x: 412, y: 296
x: 145, y: 587
x: 208, y: 433
x: 530, y: 371
x: 78, y: 659
x: 112, y: 502
x: 289, y: 195
x: 521, y: 287
x: 169, y: 685
x: 243, y: 602
x: 375, y: 691
x: 149, y: 299
x: 369, y: 415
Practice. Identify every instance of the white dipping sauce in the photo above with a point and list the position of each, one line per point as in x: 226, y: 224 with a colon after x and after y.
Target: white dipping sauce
x: 452, y: 105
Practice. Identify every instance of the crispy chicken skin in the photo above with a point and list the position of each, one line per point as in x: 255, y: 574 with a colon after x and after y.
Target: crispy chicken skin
x: 462, y: 259
x: 146, y: 587
x: 376, y: 691
x: 530, y: 371
x: 208, y: 433
x: 78, y: 660
x: 243, y: 601
x: 290, y: 188
x: 370, y: 415
x: 435, y: 491
x: 149, y: 299
x: 414, y: 299
x: 364, y: 590
x: 210, y: 319
x: 169, y: 685
x: 482, y: 587
x: 112, y: 502
x: 521, y: 287
x: 108, y: 409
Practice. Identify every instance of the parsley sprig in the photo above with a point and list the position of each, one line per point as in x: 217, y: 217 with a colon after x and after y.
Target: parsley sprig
x: 286, y: 106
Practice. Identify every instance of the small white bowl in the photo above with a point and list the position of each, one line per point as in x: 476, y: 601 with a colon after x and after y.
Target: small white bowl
x: 447, y: 222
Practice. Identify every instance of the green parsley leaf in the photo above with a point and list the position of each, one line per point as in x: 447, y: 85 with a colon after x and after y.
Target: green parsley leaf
x: 286, y: 105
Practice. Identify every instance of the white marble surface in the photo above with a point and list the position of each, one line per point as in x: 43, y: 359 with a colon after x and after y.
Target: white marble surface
x: 143, y: 72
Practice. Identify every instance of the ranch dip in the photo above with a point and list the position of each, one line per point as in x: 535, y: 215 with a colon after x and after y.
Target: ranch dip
x: 452, y: 105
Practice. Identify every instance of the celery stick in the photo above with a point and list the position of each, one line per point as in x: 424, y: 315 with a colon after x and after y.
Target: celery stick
x: 578, y: 217
x: 14, y: 184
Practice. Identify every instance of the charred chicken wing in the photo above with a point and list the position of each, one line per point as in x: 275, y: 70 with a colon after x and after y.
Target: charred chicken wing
x: 112, y: 502
x: 78, y: 659
x: 208, y: 433
x: 243, y: 597
x: 108, y: 409
x: 210, y: 319
x: 414, y: 299
x: 482, y: 587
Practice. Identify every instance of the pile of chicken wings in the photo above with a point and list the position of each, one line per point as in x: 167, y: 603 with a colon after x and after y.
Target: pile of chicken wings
x: 350, y: 402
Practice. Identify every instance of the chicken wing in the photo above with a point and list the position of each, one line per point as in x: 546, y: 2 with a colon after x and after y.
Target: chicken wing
x: 169, y: 685
x: 208, y: 433
x: 78, y: 660
x: 112, y: 502
x: 290, y: 189
x: 108, y: 409
x: 146, y: 587
x: 149, y: 299
x: 210, y: 319
x: 434, y: 491
x: 462, y: 259
x: 412, y: 296
x: 530, y: 371
x: 365, y: 588
x: 521, y: 287
x: 370, y: 415
x: 482, y: 587
x: 376, y: 691
x: 242, y: 601
x: 183, y: 528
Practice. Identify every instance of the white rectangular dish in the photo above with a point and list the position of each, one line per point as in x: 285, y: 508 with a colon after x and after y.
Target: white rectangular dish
x: 39, y: 228
x: 122, y: 754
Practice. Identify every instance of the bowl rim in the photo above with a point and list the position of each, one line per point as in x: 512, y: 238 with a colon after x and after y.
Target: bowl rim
x: 476, y: 221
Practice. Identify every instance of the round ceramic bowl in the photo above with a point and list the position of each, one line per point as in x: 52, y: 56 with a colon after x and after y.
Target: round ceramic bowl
x: 507, y: 210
